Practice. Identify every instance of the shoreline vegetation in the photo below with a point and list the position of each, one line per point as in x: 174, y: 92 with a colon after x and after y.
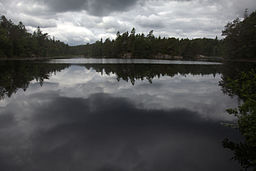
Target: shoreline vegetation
x: 241, y: 83
x: 239, y: 45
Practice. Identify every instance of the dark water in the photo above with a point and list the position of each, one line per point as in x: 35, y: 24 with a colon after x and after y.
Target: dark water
x: 114, y: 117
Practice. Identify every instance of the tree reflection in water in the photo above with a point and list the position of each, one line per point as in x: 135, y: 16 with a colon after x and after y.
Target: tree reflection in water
x: 18, y: 74
x: 242, y: 84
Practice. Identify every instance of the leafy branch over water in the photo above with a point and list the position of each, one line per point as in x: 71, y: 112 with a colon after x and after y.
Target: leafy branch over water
x: 244, y: 88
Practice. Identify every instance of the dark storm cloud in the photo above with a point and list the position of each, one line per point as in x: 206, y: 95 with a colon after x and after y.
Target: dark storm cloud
x: 103, y: 7
x: 94, y: 7
x: 66, y: 5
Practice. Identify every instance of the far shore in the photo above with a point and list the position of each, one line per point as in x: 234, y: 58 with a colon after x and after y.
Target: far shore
x: 40, y: 58
x: 210, y: 59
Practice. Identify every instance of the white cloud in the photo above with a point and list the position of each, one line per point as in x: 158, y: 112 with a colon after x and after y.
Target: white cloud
x: 70, y: 33
x: 151, y: 22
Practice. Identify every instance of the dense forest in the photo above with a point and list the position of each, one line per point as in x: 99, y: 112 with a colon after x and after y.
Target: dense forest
x: 129, y: 45
x: 15, y: 41
x: 239, y: 42
x: 240, y: 38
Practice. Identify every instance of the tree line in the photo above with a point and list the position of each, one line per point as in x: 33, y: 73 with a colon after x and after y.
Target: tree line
x: 239, y: 42
x: 16, y: 41
x: 132, y: 45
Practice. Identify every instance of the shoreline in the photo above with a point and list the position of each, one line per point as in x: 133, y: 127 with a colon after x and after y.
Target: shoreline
x: 82, y: 56
x: 40, y: 58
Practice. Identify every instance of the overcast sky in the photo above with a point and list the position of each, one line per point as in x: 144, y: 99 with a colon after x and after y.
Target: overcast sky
x: 85, y: 21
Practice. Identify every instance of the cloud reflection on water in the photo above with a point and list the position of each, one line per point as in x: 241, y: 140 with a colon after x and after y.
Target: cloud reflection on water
x: 81, y: 119
x: 199, y: 93
x: 108, y: 133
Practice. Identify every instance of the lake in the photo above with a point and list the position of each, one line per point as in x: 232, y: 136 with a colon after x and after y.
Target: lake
x: 115, y: 115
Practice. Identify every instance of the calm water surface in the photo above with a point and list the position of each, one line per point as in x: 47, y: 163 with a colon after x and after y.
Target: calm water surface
x: 127, y: 61
x: 117, y: 117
